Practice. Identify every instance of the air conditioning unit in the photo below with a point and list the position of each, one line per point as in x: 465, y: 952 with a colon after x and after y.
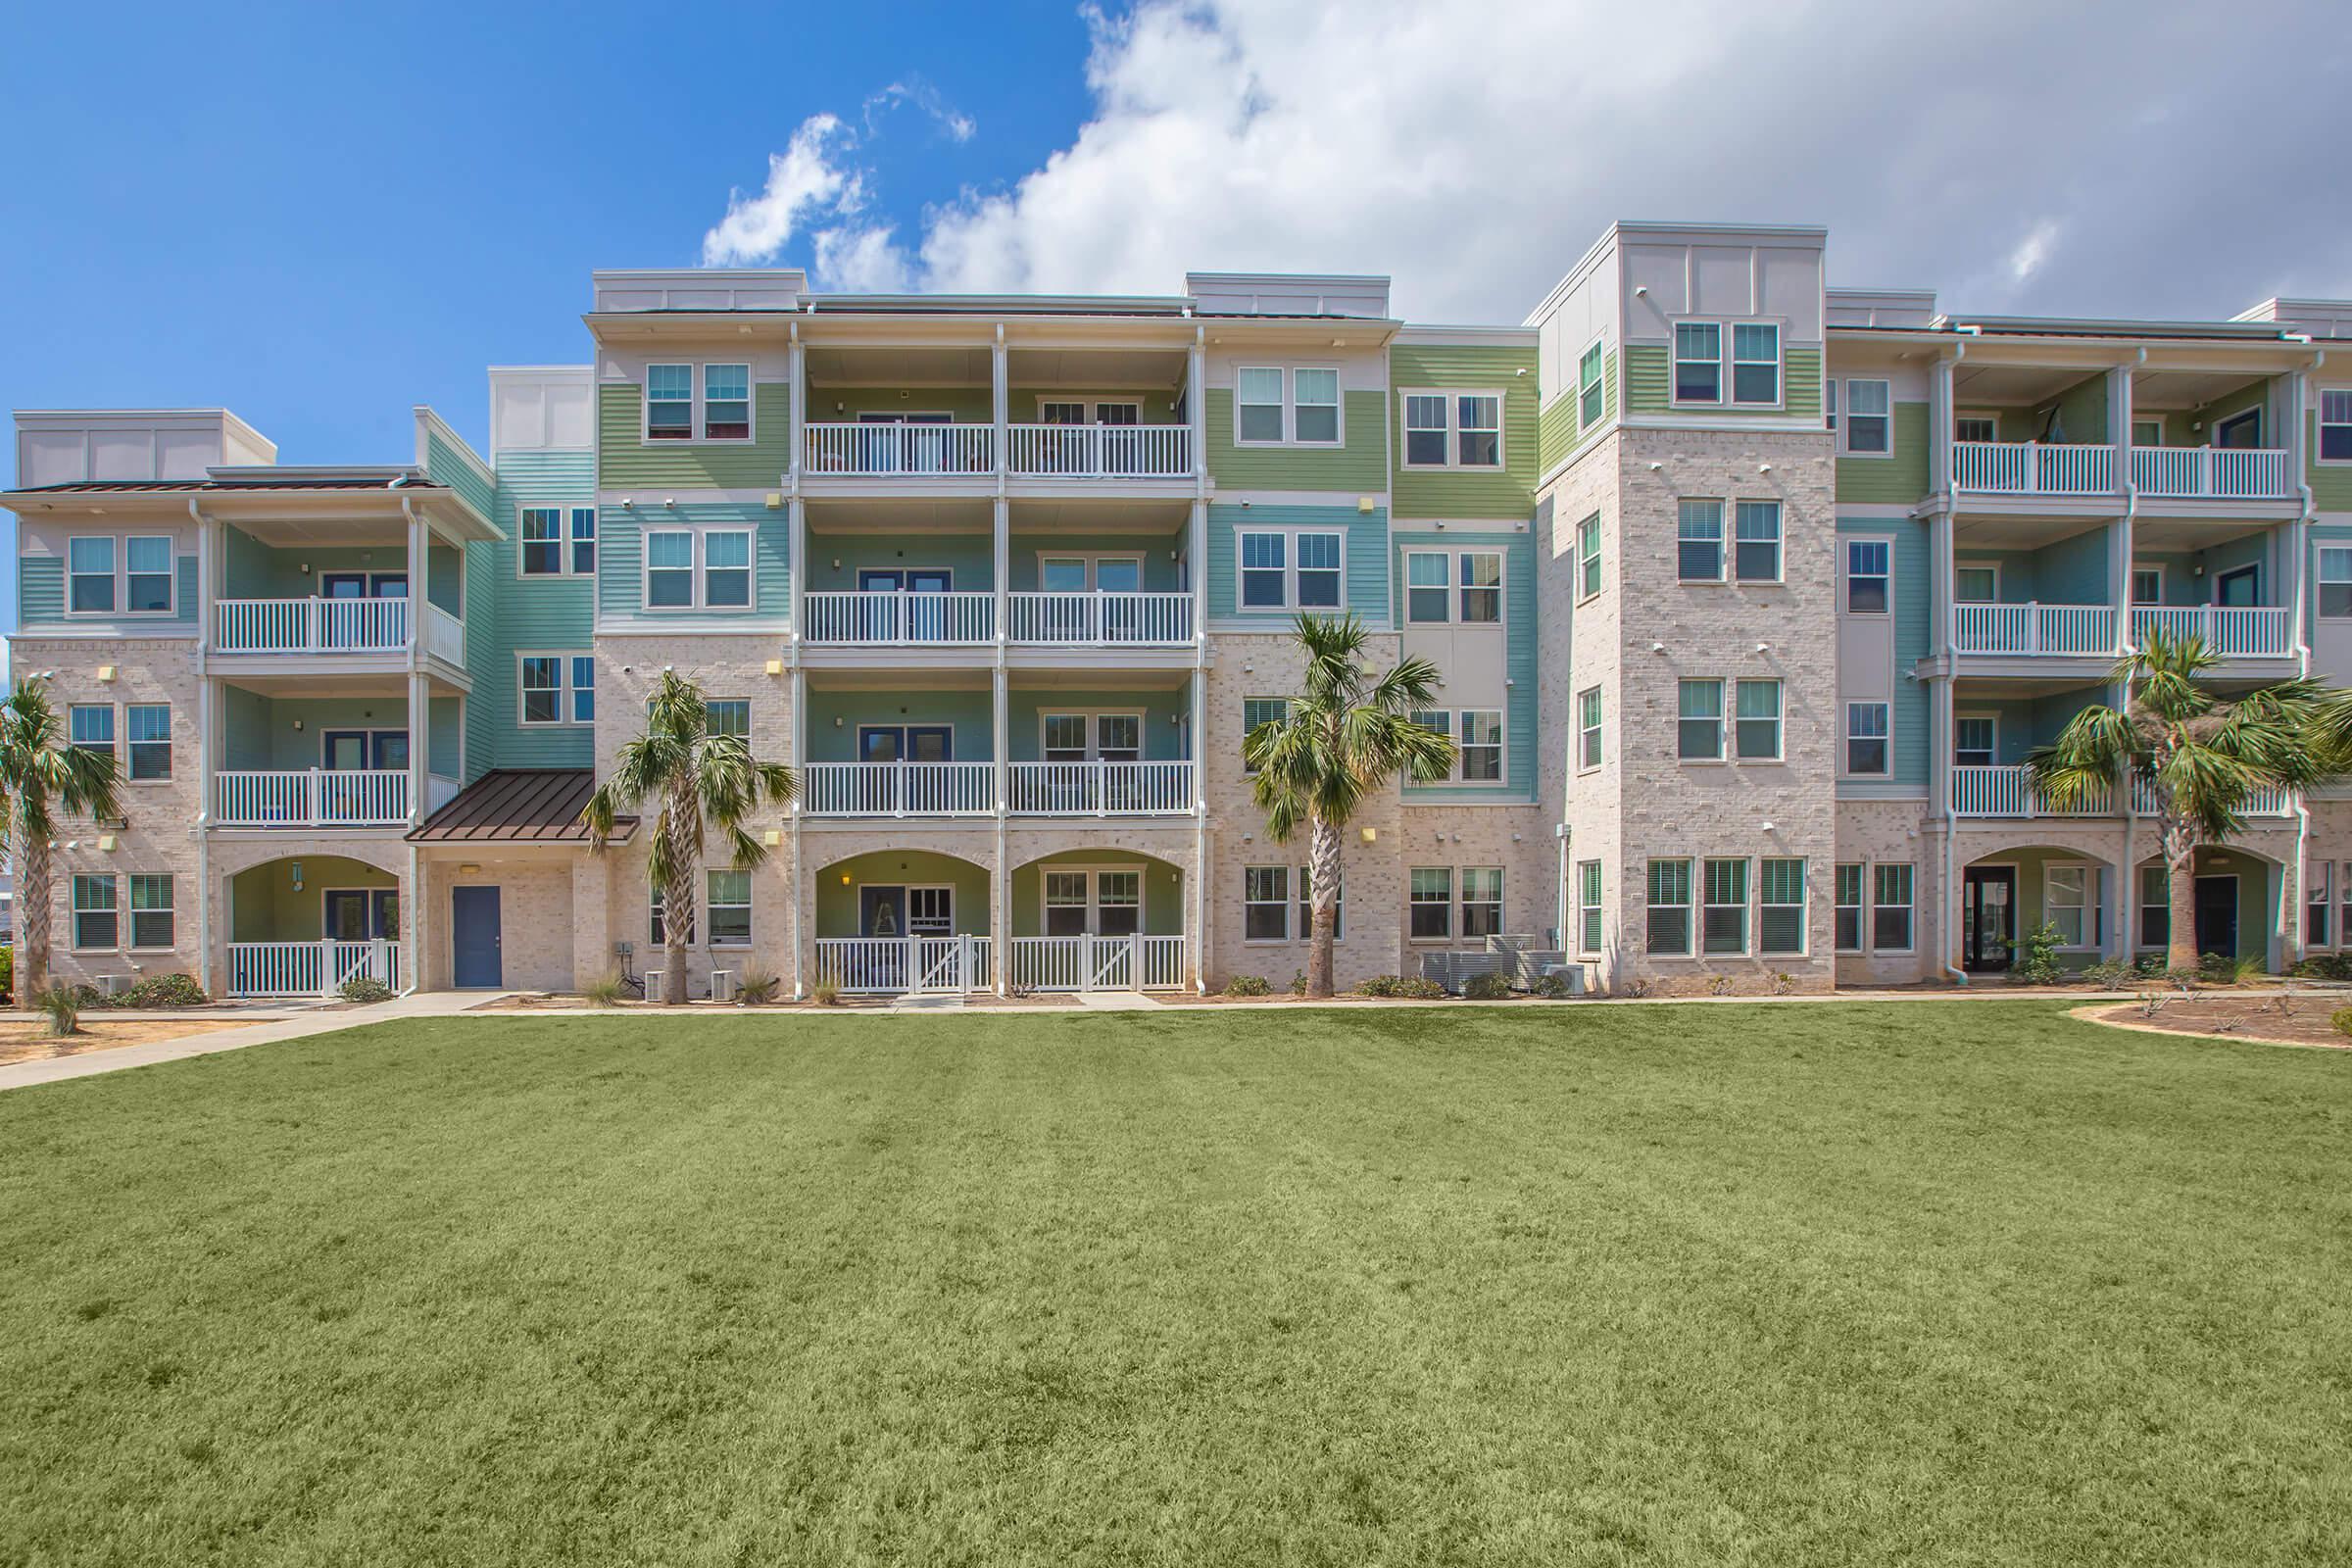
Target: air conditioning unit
x: 113, y: 985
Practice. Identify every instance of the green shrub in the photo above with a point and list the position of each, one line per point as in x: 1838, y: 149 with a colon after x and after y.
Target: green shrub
x: 1412, y: 988
x: 2148, y: 963
x: 825, y: 994
x: 63, y: 1004
x: 1553, y: 986
x: 756, y: 988
x: 163, y: 991
x: 604, y: 991
x: 1487, y: 988
x: 2112, y: 975
x: 363, y: 988
x: 2340, y: 1020
x: 1247, y: 985
x: 2038, y: 957
x: 8, y: 973
x: 1298, y: 982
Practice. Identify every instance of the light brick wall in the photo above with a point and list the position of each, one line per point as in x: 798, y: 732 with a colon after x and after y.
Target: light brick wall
x: 536, y: 913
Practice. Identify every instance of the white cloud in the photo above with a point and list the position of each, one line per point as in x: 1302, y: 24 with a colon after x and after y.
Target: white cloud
x: 920, y: 94
x: 1474, y: 153
x: 860, y: 260
x: 801, y: 179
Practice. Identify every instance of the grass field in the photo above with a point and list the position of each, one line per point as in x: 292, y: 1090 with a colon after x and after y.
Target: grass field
x: 1965, y: 1283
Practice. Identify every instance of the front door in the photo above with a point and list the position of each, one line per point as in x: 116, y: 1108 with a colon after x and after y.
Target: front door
x: 343, y: 750
x: 2217, y: 915
x: 1987, y: 916
x: 476, y: 961
x: 2239, y: 432
x: 881, y: 912
x: 343, y: 584
x: 2237, y: 587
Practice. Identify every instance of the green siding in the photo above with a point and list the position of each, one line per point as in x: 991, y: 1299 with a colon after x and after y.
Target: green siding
x: 1163, y: 737
x: 41, y: 599
x: 628, y: 462
x: 1453, y: 493
x: 1558, y: 431
x: 971, y: 557
x: 1365, y: 558
x: 1360, y: 463
x: 1648, y: 374
x: 260, y: 732
x: 1159, y: 570
x: 2330, y: 483
x: 1896, y: 480
x: 837, y: 901
x: 620, y: 585
x: 507, y: 614
x: 969, y: 712
x: 1519, y: 663
x: 1164, y: 889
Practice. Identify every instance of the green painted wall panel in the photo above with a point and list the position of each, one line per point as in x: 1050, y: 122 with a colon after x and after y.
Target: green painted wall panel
x: 41, y: 597
x: 1896, y: 480
x: 1648, y: 374
x: 1159, y: 570
x: 837, y: 901
x: 628, y: 462
x: 1452, y: 493
x: 971, y: 557
x: 1360, y: 463
x: 1365, y: 558
x: 620, y: 581
x: 445, y: 465
x: 507, y: 614
x: 1024, y: 729
x: 260, y: 735
x: 834, y: 716
x: 1519, y: 738
x: 1163, y: 890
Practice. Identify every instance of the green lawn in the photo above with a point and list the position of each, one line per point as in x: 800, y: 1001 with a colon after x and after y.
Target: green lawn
x: 1955, y: 1283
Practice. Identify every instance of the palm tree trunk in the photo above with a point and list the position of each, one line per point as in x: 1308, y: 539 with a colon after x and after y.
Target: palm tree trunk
x: 677, y: 898
x: 2180, y: 884
x: 1323, y: 894
x: 33, y: 915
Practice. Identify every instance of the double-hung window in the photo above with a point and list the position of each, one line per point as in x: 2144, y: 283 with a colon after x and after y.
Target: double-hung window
x: 2336, y: 583
x: 669, y: 403
x: 1307, y: 909
x: 1756, y: 364
x: 148, y: 731
x: 1867, y: 573
x: 727, y: 716
x: 2155, y: 907
x: 1866, y: 738
x: 1482, y: 745
x: 1478, y: 430
x: 1431, y: 904
x: 729, y: 895
x: 1265, y: 570
x: 1588, y: 728
x: 1587, y: 905
x: 1848, y: 935
x: 1983, y: 427
x: 1257, y: 711
x: 1429, y: 586
x: 1758, y: 721
x: 1698, y: 547
x: 1669, y: 921
x: 727, y: 570
x: 1588, y: 557
x: 542, y: 541
x: 654, y: 924
x: 150, y: 910
x: 1698, y: 728
x: 1723, y: 916
x: 669, y: 569
x: 96, y: 924
x: 1756, y: 542
x: 558, y: 689
x: 710, y: 569
x: 2066, y: 893
x: 1779, y: 907
x: 1482, y: 901
x: 90, y: 575
x: 147, y: 575
x: 726, y: 402
x: 1453, y: 430
x: 1482, y: 587
x: 1869, y: 419
x: 1265, y: 902
x: 1305, y: 571
x: 1318, y: 582
x: 90, y: 726
x: 1698, y: 361
x: 1425, y: 430
x: 2335, y: 426
x: 1315, y: 406
x: 1890, y: 908
x: 1258, y: 407
x: 2319, y: 903
x: 583, y: 541
x: 1066, y: 904
x: 1589, y: 397
x: 1118, y: 902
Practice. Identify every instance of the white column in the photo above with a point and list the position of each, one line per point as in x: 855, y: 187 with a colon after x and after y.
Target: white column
x: 799, y: 357
x: 1001, y: 399
x: 796, y: 552
x: 1000, y: 733
x: 1002, y: 528
x: 420, y: 727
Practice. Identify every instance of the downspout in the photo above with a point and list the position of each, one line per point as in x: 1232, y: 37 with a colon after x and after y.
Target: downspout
x: 203, y: 751
x: 2302, y: 645
x: 420, y: 729
x: 1944, y: 891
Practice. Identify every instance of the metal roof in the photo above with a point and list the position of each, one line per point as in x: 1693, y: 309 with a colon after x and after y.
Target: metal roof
x: 519, y: 805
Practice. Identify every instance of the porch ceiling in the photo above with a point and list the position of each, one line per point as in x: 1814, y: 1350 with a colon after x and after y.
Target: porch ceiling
x: 2186, y: 389
x: 1995, y: 531
x: 322, y: 680
x: 900, y: 515
x: 1138, y: 515
x: 1977, y: 385
x: 1097, y: 370
x: 2174, y: 535
x: 893, y: 365
x: 927, y: 679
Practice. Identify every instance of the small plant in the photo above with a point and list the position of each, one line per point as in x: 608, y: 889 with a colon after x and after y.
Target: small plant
x: 2112, y: 975
x: 2246, y: 970
x: 363, y: 988
x: 2038, y: 957
x: 756, y: 989
x: 1298, y: 982
x: 1553, y: 986
x: 2285, y: 1002
x: 2215, y: 969
x: 1247, y: 985
x: 1415, y: 988
x: 2149, y: 965
x: 165, y: 991
x: 825, y: 994
x: 605, y: 990
x: 1720, y: 986
x: 1489, y: 987
x: 1783, y: 982
x: 1633, y: 990
x: 2340, y: 1020
x: 2152, y: 1002
x: 64, y: 1007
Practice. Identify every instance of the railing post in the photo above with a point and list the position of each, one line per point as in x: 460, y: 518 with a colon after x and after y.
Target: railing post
x: 912, y: 976
x: 326, y: 967
x: 312, y: 795
x: 1086, y: 960
x: 898, y: 787
x: 1135, y: 959
x: 1101, y: 787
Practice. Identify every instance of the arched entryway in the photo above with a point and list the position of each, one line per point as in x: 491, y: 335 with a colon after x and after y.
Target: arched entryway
x: 2008, y: 893
x: 891, y: 921
x: 2235, y: 901
x: 301, y: 925
x: 1097, y: 918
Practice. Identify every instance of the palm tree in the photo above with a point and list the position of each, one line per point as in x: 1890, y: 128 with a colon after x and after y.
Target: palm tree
x: 42, y: 775
x: 1344, y: 736
x: 698, y: 778
x: 2198, y: 756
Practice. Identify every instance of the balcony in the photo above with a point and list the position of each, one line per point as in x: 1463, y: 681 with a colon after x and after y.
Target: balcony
x: 896, y: 965
x: 312, y: 798
x: 1103, y: 619
x: 905, y: 451
x: 2211, y: 473
x: 2032, y: 468
x: 2267, y: 801
x: 309, y: 969
x: 2246, y: 631
x: 319, y: 625
x: 891, y: 617
x: 898, y: 789
x: 2008, y: 791
x: 1099, y: 451
x: 1098, y: 788
x: 2035, y: 629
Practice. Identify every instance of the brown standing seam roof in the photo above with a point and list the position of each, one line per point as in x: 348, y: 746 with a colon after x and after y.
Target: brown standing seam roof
x: 519, y: 805
x: 129, y: 486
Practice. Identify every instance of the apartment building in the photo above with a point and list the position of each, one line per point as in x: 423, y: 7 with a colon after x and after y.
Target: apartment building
x: 1749, y: 594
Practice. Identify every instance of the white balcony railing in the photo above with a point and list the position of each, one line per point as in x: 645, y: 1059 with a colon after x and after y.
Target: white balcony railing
x: 898, y: 789
x: 1101, y: 451
x: 910, y: 451
x: 312, y: 627
x: 309, y: 969
x: 2008, y: 791
x: 1099, y: 788
x: 897, y: 618
x: 2267, y: 800
x: 1096, y: 963
x: 444, y: 636
x: 1135, y: 620
x: 2215, y: 473
x: 2232, y: 630
x: 312, y: 798
x: 890, y: 966
x: 2033, y: 628
x: 2032, y: 468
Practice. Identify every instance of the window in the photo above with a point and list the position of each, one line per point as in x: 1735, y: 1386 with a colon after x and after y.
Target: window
x: 730, y: 898
x: 583, y: 541
x: 1587, y: 905
x: 1264, y: 570
x: 1758, y: 723
x: 1266, y: 903
x: 1866, y: 738
x: 1307, y: 909
x: 1756, y: 363
x: 583, y: 689
x: 1869, y: 420
x: 1425, y: 430
x: 718, y: 563
x: 1588, y: 555
x: 2144, y: 433
x: 147, y: 575
x: 1478, y: 432
x: 1118, y: 902
x: 2148, y: 584
x: 1723, y: 918
x: 653, y: 923
x: 2336, y: 583
x: 1699, y: 550
x: 1318, y: 571
x: 148, y: 730
x: 1781, y: 907
x: 2335, y: 427
x: 1061, y: 412
x: 1452, y: 430
x: 1482, y: 588
x: 2155, y: 907
x: 1848, y: 935
x: 150, y: 912
x: 726, y: 407
x: 1257, y: 401
x: 1065, y: 904
x: 1482, y: 901
x: 1589, y: 396
x: 2343, y: 906
x: 1698, y: 733
x: 1985, y: 427
x: 1588, y: 728
x: 2066, y: 899
x: 1829, y: 404
x: 668, y: 402
x: 730, y: 716
x: 727, y: 570
x: 94, y: 917
x: 669, y: 571
x: 1431, y: 903
x: 1698, y: 363
x: 1670, y: 907
x: 1890, y: 908
x: 1427, y: 586
x: 557, y: 685
x: 1974, y: 736
x: 90, y: 726
x: 90, y: 577
x: 542, y: 541
x: 1064, y: 737
x: 1315, y: 406
x: 1482, y: 745
x: 1866, y: 576
x: 2318, y: 903
x: 1261, y: 711
x: 1757, y: 546
x: 1976, y: 586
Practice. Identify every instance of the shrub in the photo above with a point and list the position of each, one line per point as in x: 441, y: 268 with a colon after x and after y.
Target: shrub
x: 363, y: 988
x: 63, y: 1004
x: 8, y: 972
x: 2340, y: 1020
x: 1720, y: 986
x: 2112, y: 975
x: 2148, y: 965
x: 2249, y: 969
x: 2185, y: 979
x: 165, y: 991
x: 1298, y: 982
x: 2038, y: 957
x: 1487, y: 988
x: 1247, y: 985
x: 1553, y: 986
x: 1414, y: 988
x: 604, y: 991
x: 825, y: 994
x: 756, y: 989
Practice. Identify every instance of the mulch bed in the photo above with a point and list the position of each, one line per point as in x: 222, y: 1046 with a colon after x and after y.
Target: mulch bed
x: 2227, y: 1017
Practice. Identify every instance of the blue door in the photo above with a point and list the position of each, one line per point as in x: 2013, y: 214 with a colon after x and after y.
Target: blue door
x: 475, y: 963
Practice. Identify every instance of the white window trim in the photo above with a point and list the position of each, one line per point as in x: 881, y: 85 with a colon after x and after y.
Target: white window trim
x: 1289, y: 903
x: 1290, y: 406
x: 2157, y: 566
x: 1503, y: 749
x: 1093, y: 871
x: 1093, y: 718
x: 1598, y: 350
x: 122, y: 575
x: 1871, y: 905
x: 564, y: 689
x: 1845, y: 735
x: 1456, y: 585
x: 1991, y: 717
x: 701, y: 534
x: 1306, y: 916
x: 698, y: 385
x: 74, y: 911
x: 124, y: 741
x: 1994, y: 567
x: 1861, y: 909
x: 1746, y: 905
x: 1597, y: 558
x: 128, y: 928
x: 1094, y: 406
x: 1598, y: 907
x: 1675, y: 361
x: 563, y: 511
x: 1598, y: 730
x: 1691, y: 865
x: 1731, y: 363
x: 1846, y: 574
x: 1452, y: 906
x: 2320, y: 581
x: 1845, y: 417
x: 1453, y: 430
x: 750, y: 904
x: 1462, y: 901
x: 1803, y: 908
x: 1723, y: 542
x: 1780, y: 719
x: 2089, y: 905
x: 1289, y: 534
x: 1992, y: 414
x: 1725, y: 697
x: 1779, y: 541
x: 1445, y: 556
x: 1094, y: 559
x: 2320, y: 423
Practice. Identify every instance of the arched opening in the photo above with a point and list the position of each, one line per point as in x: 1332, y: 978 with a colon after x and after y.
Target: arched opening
x: 1097, y: 919
x: 304, y: 925
x: 2236, y: 902
x: 2007, y: 893
x: 893, y: 921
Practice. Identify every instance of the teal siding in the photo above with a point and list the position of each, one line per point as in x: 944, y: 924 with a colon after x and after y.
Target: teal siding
x: 262, y: 733
x: 1911, y: 583
x: 505, y: 614
x: 971, y: 714
x: 2072, y: 572
x: 1366, y: 558
x: 971, y: 557
x: 444, y: 718
x: 1163, y: 737
x: 41, y: 597
x: 1519, y: 738
x: 444, y: 464
x: 1157, y: 551
x: 620, y: 586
